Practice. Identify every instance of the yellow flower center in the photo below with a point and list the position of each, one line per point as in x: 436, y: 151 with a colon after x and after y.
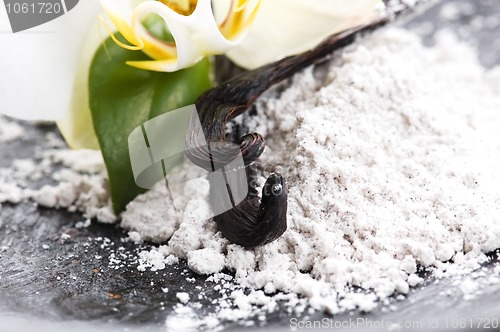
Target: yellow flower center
x: 183, y: 7
x: 239, y: 17
x: 175, y: 42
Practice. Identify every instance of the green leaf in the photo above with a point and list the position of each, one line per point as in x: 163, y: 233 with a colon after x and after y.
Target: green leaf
x: 122, y: 97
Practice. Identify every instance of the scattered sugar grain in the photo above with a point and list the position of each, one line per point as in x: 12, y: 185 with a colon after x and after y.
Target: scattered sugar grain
x: 65, y: 236
x: 135, y: 237
x: 183, y: 297
x: 83, y: 224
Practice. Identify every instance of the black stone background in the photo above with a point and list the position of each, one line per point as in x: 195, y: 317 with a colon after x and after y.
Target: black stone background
x: 66, y: 287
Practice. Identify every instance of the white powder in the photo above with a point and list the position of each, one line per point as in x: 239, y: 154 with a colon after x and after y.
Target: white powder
x: 182, y: 297
x: 206, y: 261
x: 10, y: 130
x: 149, y: 224
x: 79, y: 176
x: 155, y: 259
x: 186, y: 320
x: 391, y: 153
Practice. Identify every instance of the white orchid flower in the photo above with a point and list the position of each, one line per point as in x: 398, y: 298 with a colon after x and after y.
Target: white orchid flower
x: 290, y: 27
x: 41, y: 72
x: 38, y: 66
x: 192, y: 24
x: 281, y: 28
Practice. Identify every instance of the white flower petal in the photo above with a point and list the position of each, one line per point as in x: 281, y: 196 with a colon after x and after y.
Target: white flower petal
x: 38, y: 65
x: 120, y: 12
x: 288, y: 27
x: 196, y: 35
x: 76, y: 125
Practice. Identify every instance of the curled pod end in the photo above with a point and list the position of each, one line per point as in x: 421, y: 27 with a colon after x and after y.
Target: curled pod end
x: 273, y: 207
x: 242, y: 226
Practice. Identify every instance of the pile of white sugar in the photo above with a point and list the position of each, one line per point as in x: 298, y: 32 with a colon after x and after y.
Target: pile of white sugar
x: 391, y: 152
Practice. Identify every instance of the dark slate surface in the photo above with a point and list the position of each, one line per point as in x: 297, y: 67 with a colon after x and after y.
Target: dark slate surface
x: 71, y: 286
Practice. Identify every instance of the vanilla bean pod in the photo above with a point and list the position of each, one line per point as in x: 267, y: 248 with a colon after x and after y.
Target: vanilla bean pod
x: 255, y: 221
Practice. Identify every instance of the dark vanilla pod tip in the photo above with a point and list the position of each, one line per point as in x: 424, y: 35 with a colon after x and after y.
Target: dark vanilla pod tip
x: 274, y: 187
x: 249, y: 228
